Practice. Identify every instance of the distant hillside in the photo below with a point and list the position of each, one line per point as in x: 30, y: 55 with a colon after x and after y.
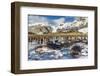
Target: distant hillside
x: 39, y: 29
x: 76, y: 25
x: 80, y: 24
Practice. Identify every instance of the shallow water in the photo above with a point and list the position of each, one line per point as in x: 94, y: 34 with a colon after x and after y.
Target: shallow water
x: 61, y: 54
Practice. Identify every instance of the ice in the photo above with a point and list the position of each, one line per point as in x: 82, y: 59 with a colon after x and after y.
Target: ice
x: 46, y: 53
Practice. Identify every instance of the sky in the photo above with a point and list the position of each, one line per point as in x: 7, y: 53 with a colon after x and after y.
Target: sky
x: 52, y: 20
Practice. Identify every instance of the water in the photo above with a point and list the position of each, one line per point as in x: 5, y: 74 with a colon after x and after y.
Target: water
x: 50, y: 54
x: 57, y: 54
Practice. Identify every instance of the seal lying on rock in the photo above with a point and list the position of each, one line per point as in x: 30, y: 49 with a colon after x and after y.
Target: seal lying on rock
x: 76, y: 51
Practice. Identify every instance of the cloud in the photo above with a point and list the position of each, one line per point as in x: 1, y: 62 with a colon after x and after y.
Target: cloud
x: 37, y: 19
x: 54, y: 23
x: 59, y: 21
x: 34, y: 19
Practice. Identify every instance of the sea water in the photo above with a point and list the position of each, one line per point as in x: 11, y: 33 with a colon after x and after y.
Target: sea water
x: 63, y: 53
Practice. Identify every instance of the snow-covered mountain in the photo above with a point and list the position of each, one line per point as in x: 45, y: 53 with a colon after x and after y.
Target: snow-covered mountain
x: 84, y: 30
x: 39, y: 28
x: 44, y: 28
x: 75, y: 25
